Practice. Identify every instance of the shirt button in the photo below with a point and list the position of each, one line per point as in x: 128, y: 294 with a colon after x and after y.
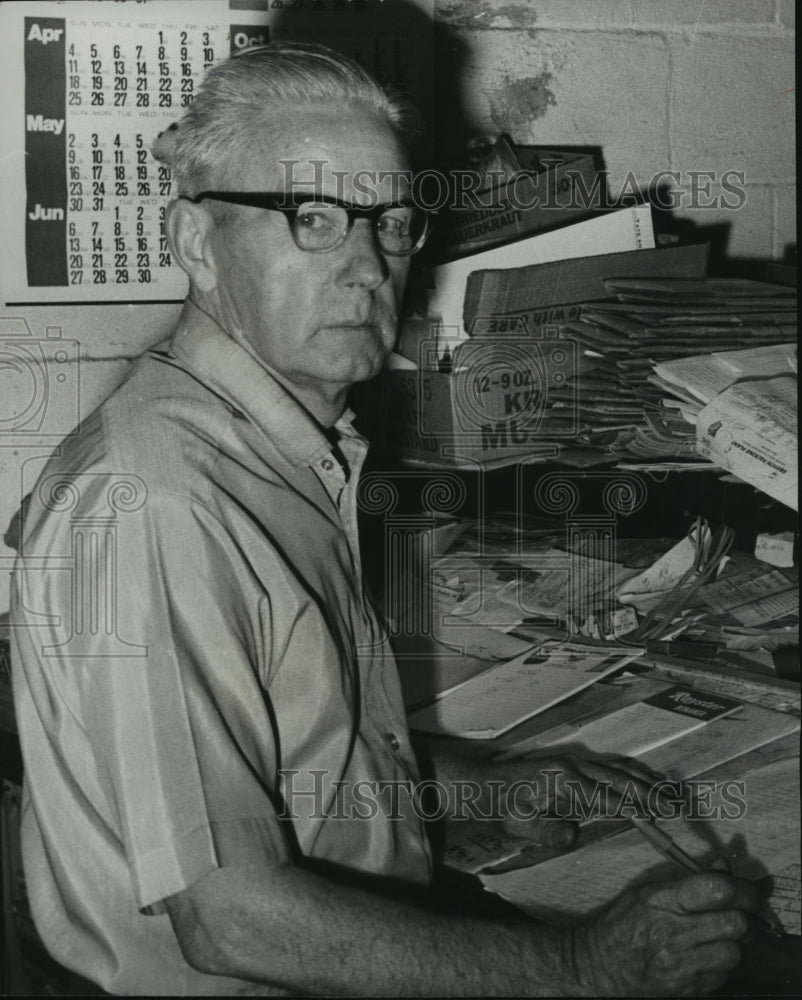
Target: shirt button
x: 327, y: 464
x: 393, y: 742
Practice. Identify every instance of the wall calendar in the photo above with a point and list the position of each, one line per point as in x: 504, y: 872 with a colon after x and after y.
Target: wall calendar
x: 89, y: 85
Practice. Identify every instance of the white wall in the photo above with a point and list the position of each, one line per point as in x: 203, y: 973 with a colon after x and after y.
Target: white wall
x: 688, y: 85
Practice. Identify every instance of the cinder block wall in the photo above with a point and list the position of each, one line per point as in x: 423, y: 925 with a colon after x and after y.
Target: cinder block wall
x: 102, y: 342
x: 682, y: 85
x: 688, y: 85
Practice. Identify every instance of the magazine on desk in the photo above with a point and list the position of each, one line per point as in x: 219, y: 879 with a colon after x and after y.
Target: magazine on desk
x: 495, y: 701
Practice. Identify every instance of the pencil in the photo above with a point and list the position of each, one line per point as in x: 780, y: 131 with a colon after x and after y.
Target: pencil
x: 664, y: 845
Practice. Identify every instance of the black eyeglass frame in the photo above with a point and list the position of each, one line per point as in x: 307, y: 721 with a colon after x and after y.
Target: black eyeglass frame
x: 291, y: 205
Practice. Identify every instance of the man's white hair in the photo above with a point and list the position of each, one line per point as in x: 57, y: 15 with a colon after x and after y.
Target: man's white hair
x: 248, y: 89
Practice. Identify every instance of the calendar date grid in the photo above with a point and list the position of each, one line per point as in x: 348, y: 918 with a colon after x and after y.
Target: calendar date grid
x: 118, y: 86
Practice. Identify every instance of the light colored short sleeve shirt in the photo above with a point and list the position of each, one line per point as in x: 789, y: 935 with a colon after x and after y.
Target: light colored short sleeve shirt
x: 199, y: 677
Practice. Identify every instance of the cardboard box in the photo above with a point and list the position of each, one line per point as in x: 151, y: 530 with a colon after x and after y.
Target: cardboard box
x: 489, y: 409
x: 549, y: 188
x: 625, y: 230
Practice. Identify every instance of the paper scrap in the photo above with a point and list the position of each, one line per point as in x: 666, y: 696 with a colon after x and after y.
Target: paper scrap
x: 548, y: 589
x: 478, y: 844
x: 750, y: 430
x: 776, y: 550
x: 746, y: 587
x: 624, y: 621
x: 646, y: 589
x: 768, y: 608
x: 760, y: 362
x: 703, y: 376
x: 784, y: 895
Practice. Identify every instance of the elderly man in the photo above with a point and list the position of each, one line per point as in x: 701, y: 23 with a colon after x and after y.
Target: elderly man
x: 236, y: 651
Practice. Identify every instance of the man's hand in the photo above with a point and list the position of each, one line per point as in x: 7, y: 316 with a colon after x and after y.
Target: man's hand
x: 547, y: 796
x: 542, y: 798
x: 303, y: 933
x: 677, y: 938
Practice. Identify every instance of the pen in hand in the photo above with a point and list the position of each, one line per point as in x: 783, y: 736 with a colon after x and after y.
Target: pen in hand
x: 664, y: 845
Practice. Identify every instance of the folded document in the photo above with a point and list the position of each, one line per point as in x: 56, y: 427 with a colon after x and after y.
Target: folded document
x: 493, y: 702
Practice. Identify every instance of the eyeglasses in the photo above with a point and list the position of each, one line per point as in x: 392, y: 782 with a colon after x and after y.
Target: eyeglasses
x: 320, y: 223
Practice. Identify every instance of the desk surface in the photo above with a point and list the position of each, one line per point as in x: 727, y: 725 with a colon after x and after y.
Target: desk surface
x: 770, y: 968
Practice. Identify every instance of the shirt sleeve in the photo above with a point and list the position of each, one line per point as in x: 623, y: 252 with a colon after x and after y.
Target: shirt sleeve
x: 159, y: 654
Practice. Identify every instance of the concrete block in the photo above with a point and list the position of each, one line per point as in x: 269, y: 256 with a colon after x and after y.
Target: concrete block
x: 568, y: 89
x: 603, y: 14
x: 44, y: 398
x: 46, y: 411
x: 785, y: 219
x: 751, y: 224
x: 102, y: 332
x: 787, y: 12
x: 502, y: 14
x: 732, y: 107
x: 685, y: 13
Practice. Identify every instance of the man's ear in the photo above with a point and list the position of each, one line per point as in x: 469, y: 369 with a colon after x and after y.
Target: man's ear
x: 189, y: 229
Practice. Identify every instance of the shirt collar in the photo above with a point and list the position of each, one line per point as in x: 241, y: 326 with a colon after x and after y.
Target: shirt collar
x: 228, y: 369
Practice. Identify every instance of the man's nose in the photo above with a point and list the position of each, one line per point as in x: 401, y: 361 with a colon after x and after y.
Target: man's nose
x: 363, y: 265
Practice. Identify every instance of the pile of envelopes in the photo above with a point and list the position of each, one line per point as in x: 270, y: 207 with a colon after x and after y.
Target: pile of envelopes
x: 618, y: 408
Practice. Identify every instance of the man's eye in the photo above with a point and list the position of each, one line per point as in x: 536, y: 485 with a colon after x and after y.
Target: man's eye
x: 394, y: 225
x: 314, y: 219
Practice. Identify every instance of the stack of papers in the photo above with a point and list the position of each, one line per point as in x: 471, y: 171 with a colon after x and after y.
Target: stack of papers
x: 498, y: 581
x: 742, y: 406
x: 628, y: 229
x: 631, y: 342
x: 506, y: 694
x: 700, y: 378
x: 503, y: 577
x: 637, y: 351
